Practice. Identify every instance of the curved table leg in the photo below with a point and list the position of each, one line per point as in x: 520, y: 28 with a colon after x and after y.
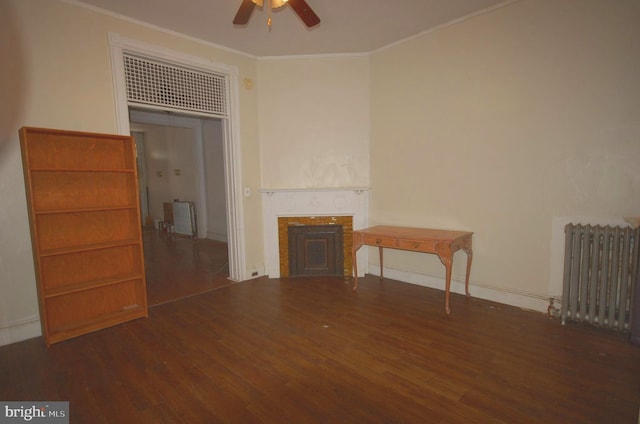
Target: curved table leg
x: 447, y: 264
x: 355, y: 271
x: 357, y: 243
x: 469, y: 253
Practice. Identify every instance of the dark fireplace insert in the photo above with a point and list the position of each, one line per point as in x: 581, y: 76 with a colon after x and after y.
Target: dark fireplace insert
x: 316, y: 250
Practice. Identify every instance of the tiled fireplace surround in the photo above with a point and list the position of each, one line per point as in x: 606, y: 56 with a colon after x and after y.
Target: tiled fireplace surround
x: 322, y: 203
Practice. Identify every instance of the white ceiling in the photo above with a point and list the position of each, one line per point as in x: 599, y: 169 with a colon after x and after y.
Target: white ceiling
x: 347, y: 26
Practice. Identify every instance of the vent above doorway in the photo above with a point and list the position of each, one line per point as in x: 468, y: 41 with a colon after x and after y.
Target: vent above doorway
x: 160, y: 84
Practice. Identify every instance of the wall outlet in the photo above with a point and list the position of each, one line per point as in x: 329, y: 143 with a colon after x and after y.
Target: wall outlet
x: 256, y: 271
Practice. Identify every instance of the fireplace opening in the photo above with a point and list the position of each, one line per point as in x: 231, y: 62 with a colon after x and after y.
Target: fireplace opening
x: 315, y: 245
x: 316, y: 250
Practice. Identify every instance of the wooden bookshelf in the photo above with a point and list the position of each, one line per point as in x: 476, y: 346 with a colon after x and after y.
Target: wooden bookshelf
x: 82, y: 193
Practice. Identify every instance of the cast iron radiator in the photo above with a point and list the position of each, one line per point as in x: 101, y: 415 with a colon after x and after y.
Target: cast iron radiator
x: 600, y: 270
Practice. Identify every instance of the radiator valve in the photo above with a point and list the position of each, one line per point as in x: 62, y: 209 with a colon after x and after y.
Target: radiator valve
x: 552, y: 311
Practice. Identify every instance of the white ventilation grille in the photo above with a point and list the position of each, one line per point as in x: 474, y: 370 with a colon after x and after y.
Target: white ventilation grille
x: 157, y: 83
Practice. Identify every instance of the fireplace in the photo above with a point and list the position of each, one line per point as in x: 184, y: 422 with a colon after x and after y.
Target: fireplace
x: 284, y: 208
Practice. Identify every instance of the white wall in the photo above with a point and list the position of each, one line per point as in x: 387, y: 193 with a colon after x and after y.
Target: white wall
x: 502, y: 124
x: 215, y: 182
x: 314, y: 122
x: 171, y: 172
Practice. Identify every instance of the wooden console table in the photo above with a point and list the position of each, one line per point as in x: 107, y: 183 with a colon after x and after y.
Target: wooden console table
x: 443, y: 243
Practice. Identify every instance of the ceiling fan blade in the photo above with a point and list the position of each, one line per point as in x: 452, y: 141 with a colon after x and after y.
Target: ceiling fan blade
x: 244, y: 13
x: 303, y: 10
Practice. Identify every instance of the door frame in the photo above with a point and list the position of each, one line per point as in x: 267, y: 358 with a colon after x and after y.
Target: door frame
x: 231, y: 129
x: 142, y: 175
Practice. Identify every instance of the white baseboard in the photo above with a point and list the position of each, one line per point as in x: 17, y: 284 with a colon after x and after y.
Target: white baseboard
x: 521, y: 299
x: 16, y: 331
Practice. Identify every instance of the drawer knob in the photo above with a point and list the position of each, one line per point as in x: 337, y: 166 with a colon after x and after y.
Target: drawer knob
x: 378, y: 241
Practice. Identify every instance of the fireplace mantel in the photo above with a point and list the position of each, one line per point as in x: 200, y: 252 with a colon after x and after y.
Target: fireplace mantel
x: 277, y: 203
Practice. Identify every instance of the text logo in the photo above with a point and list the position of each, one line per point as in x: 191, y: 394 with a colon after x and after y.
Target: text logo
x: 34, y: 412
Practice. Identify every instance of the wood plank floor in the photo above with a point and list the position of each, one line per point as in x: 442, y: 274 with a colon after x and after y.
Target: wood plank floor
x: 309, y: 350
x: 178, y: 267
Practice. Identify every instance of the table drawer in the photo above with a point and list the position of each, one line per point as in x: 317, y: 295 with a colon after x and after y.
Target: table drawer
x: 379, y: 240
x: 418, y: 245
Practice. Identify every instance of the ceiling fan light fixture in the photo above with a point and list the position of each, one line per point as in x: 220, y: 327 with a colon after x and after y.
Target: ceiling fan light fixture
x: 274, y: 3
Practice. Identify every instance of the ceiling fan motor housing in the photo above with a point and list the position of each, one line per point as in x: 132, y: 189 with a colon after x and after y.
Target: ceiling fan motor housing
x: 274, y: 3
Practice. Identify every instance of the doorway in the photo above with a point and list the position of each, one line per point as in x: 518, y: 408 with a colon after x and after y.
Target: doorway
x: 226, y: 86
x: 180, y: 158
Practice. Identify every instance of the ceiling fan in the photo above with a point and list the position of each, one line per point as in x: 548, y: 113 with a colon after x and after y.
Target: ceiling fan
x: 301, y: 7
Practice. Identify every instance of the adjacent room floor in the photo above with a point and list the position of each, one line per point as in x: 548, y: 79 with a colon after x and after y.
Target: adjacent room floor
x: 178, y: 266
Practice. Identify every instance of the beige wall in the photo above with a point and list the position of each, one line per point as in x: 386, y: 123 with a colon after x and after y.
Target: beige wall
x: 56, y: 72
x: 314, y: 122
x: 503, y: 123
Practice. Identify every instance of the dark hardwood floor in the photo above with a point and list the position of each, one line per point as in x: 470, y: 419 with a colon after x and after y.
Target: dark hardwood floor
x: 178, y: 267
x: 309, y: 350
